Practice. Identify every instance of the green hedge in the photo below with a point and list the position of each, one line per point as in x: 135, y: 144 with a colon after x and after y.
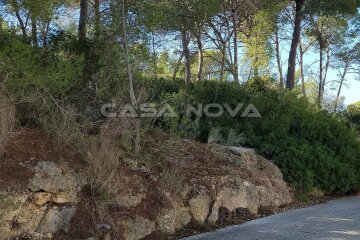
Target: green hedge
x: 312, y: 148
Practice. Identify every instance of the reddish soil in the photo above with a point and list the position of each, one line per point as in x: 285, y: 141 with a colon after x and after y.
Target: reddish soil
x: 24, y: 151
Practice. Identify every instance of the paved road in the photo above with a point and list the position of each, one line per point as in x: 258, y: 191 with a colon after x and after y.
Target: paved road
x: 338, y: 219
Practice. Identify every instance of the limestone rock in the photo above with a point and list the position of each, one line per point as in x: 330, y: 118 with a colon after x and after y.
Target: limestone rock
x: 9, y: 208
x: 56, y: 219
x: 137, y: 228
x: 245, y: 196
x: 173, y: 218
x: 50, y: 178
x: 42, y: 198
x: 30, y: 212
x: 64, y: 197
x: 317, y: 193
x: 200, y: 207
x: 165, y: 221
x: 183, y: 217
x: 124, y: 200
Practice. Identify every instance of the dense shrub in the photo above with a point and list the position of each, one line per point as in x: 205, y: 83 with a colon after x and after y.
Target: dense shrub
x: 312, y: 147
x: 352, y: 116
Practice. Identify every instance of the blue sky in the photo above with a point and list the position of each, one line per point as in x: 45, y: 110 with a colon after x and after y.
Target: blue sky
x: 351, y: 88
x: 352, y: 93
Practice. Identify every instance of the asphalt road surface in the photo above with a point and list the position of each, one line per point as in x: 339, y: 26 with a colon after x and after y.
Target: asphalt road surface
x: 335, y: 220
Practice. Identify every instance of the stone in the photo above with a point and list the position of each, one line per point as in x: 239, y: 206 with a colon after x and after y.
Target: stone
x: 200, y: 207
x: 245, y: 196
x: 173, y: 218
x: 317, y: 193
x: 127, y: 200
x: 65, y: 197
x: 10, y: 207
x: 183, y: 217
x: 29, y: 217
x: 165, y: 221
x: 42, y: 198
x: 50, y: 178
x: 30, y: 212
x: 131, y: 163
x: 137, y: 228
x: 57, y: 219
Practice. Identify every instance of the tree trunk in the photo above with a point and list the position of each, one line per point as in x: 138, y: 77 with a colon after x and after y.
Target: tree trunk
x: 83, y: 20
x: 236, y: 52
x: 1, y: 28
x: 321, y: 79
x: 201, y: 56
x: 185, y: 43
x: 290, y: 80
x: 327, y: 65
x: 97, y: 17
x: 137, y: 139
x: 302, y: 75
x: 18, y: 16
x: 223, y: 60
x: 154, y: 55
x: 340, y: 88
x: 44, y: 32
x: 256, y: 68
x: 34, y: 32
x: 177, y: 67
x: 278, y: 58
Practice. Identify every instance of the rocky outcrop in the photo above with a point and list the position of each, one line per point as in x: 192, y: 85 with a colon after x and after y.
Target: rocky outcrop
x: 34, y: 212
x: 255, y: 183
x: 59, y: 183
x: 148, y: 202
x: 137, y: 228
x: 172, y: 218
x: 200, y: 207
x: 244, y: 196
x: 263, y: 187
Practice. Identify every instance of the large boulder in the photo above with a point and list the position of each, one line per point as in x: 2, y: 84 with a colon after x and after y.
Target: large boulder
x: 200, y: 207
x: 244, y: 196
x: 63, y: 185
x: 172, y: 218
x: 56, y: 219
x: 262, y: 186
x: 137, y: 228
x: 33, y: 212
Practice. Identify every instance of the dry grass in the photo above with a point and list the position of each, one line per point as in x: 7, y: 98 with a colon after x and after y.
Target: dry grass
x: 7, y: 121
x: 105, y: 175
x: 61, y: 123
x: 104, y: 162
x: 105, y: 153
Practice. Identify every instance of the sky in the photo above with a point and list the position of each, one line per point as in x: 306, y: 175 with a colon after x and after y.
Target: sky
x: 352, y: 93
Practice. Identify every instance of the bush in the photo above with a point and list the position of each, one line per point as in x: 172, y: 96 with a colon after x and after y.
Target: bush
x: 352, y: 116
x: 312, y: 148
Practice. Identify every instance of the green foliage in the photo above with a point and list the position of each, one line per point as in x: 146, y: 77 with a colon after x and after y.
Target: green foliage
x: 353, y: 116
x: 215, y: 136
x: 312, y: 148
x: 332, y: 7
x: 169, y: 15
x: 26, y: 68
x: 40, y: 85
x: 232, y: 139
x: 256, y: 40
